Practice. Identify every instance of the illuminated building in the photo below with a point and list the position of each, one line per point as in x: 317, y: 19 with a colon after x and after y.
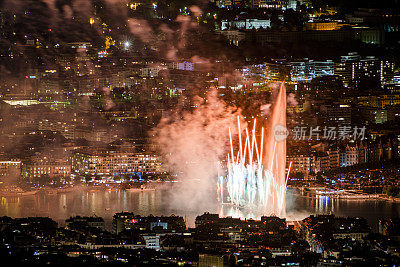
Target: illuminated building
x: 353, y: 19
x: 300, y: 163
x: 65, y: 128
x: 50, y: 168
x: 151, y: 71
x: 10, y: 167
x: 122, y: 221
x: 348, y: 156
x: 306, y: 70
x: 274, y: 71
x: 234, y: 37
x: 112, y: 163
x: 224, y: 3
x: 213, y: 260
x: 378, y: 115
x: 343, y: 35
x: 272, y: 4
x: 338, y: 114
x: 323, y: 26
x: 379, y: 101
x: 353, y: 68
x: 21, y: 102
x: 183, y: 65
x: 334, y: 159
x: 128, y: 221
x: 121, y: 79
x: 80, y: 45
x: 322, y: 163
x: 71, y: 130
x: 246, y: 24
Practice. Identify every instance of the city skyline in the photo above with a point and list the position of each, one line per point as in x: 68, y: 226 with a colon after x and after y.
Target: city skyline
x: 117, y: 116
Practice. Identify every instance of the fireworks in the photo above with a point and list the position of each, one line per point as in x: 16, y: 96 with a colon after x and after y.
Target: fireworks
x: 253, y: 181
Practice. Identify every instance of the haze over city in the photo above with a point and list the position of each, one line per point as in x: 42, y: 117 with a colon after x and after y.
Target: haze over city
x: 199, y: 133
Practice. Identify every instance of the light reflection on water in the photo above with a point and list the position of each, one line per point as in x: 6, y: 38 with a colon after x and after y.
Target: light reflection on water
x: 107, y: 203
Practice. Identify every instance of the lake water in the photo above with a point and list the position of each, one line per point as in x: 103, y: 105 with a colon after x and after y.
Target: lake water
x: 106, y: 203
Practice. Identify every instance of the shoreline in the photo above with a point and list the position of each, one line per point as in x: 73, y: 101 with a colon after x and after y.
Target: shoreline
x: 342, y: 194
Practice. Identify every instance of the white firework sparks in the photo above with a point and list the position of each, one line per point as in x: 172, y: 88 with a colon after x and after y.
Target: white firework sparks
x: 248, y: 182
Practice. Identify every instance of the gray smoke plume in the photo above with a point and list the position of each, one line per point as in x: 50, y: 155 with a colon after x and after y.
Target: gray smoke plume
x: 193, y: 144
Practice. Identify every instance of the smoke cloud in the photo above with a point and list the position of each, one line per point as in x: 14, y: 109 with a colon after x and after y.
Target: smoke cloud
x: 291, y: 100
x: 265, y: 109
x: 193, y: 144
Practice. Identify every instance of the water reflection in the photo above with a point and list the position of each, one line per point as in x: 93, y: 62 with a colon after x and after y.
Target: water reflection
x: 107, y: 203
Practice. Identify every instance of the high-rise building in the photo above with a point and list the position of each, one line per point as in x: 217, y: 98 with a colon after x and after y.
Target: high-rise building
x: 353, y: 68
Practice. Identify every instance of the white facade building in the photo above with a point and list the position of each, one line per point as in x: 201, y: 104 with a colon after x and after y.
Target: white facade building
x: 246, y: 24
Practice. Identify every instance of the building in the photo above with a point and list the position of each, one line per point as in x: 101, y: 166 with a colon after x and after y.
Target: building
x: 92, y: 134
x: 52, y: 168
x: 10, y: 167
x: 306, y: 70
x: 334, y: 159
x: 272, y: 4
x: 114, y: 163
x: 343, y: 35
x: 63, y: 127
x: 348, y: 156
x: 390, y: 227
x: 206, y: 218
x: 276, y: 71
x: 337, y: 114
x: 78, y: 221
x: 122, y: 221
x: 300, y: 163
x: 152, y: 240
x: 382, y: 101
x: 246, y: 24
x: 213, y: 260
x: 353, y: 68
x: 189, y: 66
x: 234, y: 37
x: 322, y: 163
x: 323, y: 26
x: 150, y: 224
x: 151, y: 71
x: 325, y: 232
